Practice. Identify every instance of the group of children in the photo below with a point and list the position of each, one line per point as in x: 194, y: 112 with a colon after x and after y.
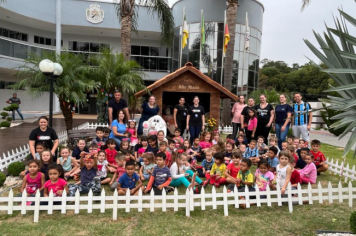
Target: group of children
x: 165, y: 164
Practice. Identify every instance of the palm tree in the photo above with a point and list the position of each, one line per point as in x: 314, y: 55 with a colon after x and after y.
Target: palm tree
x: 338, y: 55
x: 127, y: 11
x: 229, y: 58
x: 69, y: 87
x: 113, y: 72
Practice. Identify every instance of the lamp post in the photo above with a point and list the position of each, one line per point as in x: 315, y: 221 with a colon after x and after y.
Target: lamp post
x: 51, y: 71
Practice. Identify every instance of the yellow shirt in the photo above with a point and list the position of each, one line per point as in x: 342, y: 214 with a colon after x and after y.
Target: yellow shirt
x: 218, y: 170
x: 247, y: 177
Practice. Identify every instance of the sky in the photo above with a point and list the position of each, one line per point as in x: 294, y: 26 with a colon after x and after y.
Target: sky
x: 285, y: 26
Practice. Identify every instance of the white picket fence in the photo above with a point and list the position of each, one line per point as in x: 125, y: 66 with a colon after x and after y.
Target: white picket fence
x: 342, y: 170
x: 187, y: 201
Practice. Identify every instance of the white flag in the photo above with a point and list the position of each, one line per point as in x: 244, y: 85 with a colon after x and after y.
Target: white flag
x: 247, y: 35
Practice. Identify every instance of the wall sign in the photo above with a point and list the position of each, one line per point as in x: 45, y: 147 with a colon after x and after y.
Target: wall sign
x: 94, y: 14
x: 181, y: 86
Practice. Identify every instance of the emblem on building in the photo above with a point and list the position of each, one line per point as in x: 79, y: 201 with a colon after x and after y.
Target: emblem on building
x: 95, y: 14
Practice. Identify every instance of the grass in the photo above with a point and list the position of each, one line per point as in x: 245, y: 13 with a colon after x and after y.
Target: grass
x: 305, y: 219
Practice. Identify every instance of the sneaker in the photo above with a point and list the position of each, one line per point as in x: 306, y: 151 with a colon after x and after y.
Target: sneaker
x: 217, y: 185
x: 197, y: 189
x: 28, y: 203
x: 206, y: 182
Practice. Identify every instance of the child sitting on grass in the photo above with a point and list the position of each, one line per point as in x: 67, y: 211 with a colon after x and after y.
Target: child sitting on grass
x: 160, y: 178
x: 261, y: 146
x: 284, y: 145
x: 273, y: 142
x: 171, y: 146
x: 217, y: 172
x: 264, y: 177
x: 56, y: 183
x: 34, y: 180
x: 295, y: 176
x: 147, y: 166
x: 290, y: 139
x: 163, y: 149
x: 272, y: 159
x: 252, y: 152
x: 81, y: 147
x: 68, y: 163
x: 177, y: 138
x: 102, y: 168
x: 233, y: 168
x: 152, y: 144
x: 207, y: 164
x: 309, y: 173
x: 100, y: 140
x: 301, y: 161
x: 111, y: 154
x: 291, y: 150
x: 319, y: 158
x: 228, y: 151
x: 284, y: 171
x: 120, y: 160
x: 128, y: 180
x: 40, y: 147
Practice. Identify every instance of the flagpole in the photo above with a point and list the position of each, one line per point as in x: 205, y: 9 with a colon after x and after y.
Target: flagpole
x: 180, y: 41
x: 222, y: 57
x: 243, y: 64
x: 201, y: 38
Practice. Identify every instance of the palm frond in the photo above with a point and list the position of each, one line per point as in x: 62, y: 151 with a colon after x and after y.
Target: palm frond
x: 305, y: 3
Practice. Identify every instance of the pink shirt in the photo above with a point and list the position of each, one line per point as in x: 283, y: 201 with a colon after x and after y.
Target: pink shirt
x: 237, y: 109
x: 55, y: 187
x: 309, y: 171
x: 252, y: 123
x: 204, y: 144
x: 33, y: 184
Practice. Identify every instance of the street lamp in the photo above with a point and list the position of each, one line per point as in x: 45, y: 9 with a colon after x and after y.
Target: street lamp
x: 51, y: 71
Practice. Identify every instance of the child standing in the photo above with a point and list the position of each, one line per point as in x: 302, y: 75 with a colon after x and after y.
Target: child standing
x: 217, y: 172
x: 147, y: 166
x: 110, y: 155
x: 160, y: 178
x: 56, y: 183
x: 319, y: 158
x: 102, y: 167
x: 128, y: 180
x: 133, y: 132
x: 309, y: 173
x: 264, y: 177
x: 34, y: 180
x: 180, y: 171
x: 228, y: 151
x: 120, y: 170
x: 233, y: 168
x: 88, y: 179
x: 252, y: 125
x: 68, y: 163
x: 272, y: 159
x: 216, y: 136
x: 177, y: 138
x: 284, y: 171
x: 207, y: 164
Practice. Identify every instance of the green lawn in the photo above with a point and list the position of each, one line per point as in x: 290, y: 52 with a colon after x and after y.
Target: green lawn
x: 254, y: 221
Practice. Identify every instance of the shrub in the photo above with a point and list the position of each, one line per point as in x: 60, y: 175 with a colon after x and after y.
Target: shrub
x: 353, y: 222
x: 14, y: 106
x: 6, y: 109
x: 2, y: 178
x: 15, y: 168
x: 9, y: 118
x: 4, y: 114
x: 5, y: 124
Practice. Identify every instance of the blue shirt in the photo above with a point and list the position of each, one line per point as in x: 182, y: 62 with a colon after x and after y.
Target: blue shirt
x: 273, y: 162
x: 301, y: 113
x: 282, y: 113
x: 161, y: 175
x: 86, y: 176
x: 121, y: 128
x: 251, y: 152
x: 207, y: 165
x: 128, y: 182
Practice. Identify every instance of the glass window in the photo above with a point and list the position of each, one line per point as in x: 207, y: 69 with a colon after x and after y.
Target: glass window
x: 194, y: 41
x: 154, y: 51
x: 194, y: 28
x: 238, y: 28
x: 137, y: 59
x: 145, y: 51
x: 5, y: 32
x: 42, y: 40
x: 83, y: 46
x: 237, y: 42
x: 94, y: 47
x: 37, y: 39
x: 145, y: 63
x: 153, y: 63
x: 104, y: 46
x: 18, y: 35
x: 24, y: 37
x: 253, y: 48
x: 48, y: 41
x: 236, y: 59
x: 135, y: 50
x: 163, y: 64
x: 12, y: 34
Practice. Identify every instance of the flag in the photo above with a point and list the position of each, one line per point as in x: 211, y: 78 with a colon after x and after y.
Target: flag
x: 247, y: 35
x: 185, y: 32
x: 226, y: 37
x: 202, y: 30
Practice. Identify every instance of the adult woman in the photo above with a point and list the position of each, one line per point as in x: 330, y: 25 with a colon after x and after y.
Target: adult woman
x: 148, y: 109
x: 265, y: 117
x: 43, y: 134
x: 195, y: 119
x: 180, y: 115
x: 118, y: 128
x: 282, y: 119
x: 236, y: 112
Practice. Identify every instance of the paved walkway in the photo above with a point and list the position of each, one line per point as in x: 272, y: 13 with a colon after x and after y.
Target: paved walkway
x: 328, y: 138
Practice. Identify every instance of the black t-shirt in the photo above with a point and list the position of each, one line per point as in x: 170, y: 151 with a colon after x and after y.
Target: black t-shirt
x: 116, y: 106
x: 263, y: 115
x: 181, y: 112
x: 195, y: 115
x: 47, y: 137
x: 245, y: 113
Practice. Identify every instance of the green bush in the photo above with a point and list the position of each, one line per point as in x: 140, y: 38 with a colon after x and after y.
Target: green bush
x: 4, y: 114
x: 353, y: 222
x: 14, y: 106
x: 5, y: 124
x: 2, y: 178
x: 9, y: 118
x: 16, y: 168
x: 6, y: 109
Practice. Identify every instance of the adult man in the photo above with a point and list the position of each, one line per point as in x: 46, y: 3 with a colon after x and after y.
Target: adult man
x: 244, y: 113
x: 15, y: 100
x: 302, y: 119
x: 115, y: 105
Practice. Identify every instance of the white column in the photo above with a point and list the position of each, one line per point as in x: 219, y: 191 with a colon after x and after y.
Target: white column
x: 58, y: 26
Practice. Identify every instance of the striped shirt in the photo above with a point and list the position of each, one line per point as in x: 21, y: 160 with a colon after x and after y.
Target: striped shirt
x: 301, y: 113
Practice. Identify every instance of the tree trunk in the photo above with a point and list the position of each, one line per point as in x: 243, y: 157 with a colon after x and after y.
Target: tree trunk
x: 229, y: 59
x: 67, y: 113
x: 126, y: 36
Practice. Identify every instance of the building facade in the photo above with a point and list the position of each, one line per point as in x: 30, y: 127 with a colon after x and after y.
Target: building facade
x: 69, y: 25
